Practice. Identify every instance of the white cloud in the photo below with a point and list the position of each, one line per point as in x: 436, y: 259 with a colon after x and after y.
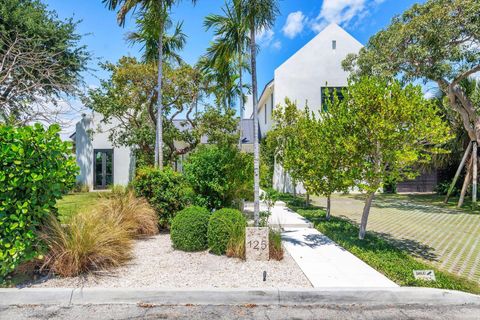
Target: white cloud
x: 294, y: 25
x: 264, y: 37
x: 277, y: 45
x: 342, y: 12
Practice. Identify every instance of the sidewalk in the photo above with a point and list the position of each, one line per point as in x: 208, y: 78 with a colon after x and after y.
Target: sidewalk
x: 323, y: 262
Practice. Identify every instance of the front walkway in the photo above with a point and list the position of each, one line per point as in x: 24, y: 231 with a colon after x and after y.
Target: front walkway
x: 323, y: 262
x: 446, y: 237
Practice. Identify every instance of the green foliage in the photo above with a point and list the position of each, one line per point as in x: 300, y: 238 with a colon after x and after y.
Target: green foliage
x: 267, y: 162
x: 189, y: 229
x: 165, y: 190
x: 42, y: 59
x: 219, y: 175
x: 221, y: 228
x: 36, y: 169
x: 395, y: 263
x: 387, y: 130
x: 275, y: 244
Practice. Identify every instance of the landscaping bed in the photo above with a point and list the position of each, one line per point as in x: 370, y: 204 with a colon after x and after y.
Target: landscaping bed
x: 395, y: 263
x: 156, y: 264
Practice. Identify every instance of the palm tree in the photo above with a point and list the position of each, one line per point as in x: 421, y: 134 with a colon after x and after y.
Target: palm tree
x: 259, y: 15
x: 159, y: 9
x: 231, y: 40
x: 148, y: 33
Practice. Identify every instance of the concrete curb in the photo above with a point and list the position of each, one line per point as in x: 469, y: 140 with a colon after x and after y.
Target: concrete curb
x: 327, y: 296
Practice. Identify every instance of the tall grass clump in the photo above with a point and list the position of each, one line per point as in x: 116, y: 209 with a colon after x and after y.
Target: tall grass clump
x: 236, y: 244
x: 275, y: 245
x: 134, y: 214
x: 89, y: 241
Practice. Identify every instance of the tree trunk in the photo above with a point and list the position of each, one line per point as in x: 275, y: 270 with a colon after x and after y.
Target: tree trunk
x: 474, y: 174
x: 366, y: 211
x: 466, y: 182
x: 240, y: 83
x: 159, y: 128
x: 256, y: 149
x: 327, y: 216
x: 459, y: 171
x: 307, y: 200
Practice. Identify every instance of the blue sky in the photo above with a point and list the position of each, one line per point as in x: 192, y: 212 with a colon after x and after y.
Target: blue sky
x: 299, y: 22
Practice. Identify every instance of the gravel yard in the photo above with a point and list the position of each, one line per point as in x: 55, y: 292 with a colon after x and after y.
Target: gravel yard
x: 157, y: 265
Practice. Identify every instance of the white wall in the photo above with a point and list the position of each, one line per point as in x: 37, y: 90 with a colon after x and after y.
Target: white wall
x: 92, y: 134
x: 314, y: 66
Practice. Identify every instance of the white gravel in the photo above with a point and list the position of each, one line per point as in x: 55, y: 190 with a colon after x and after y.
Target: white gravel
x: 157, y: 265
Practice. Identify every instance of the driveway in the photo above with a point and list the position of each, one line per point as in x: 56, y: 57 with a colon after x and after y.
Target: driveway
x: 448, y: 238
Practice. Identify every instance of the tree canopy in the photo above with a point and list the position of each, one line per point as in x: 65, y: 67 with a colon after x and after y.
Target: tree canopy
x: 41, y: 60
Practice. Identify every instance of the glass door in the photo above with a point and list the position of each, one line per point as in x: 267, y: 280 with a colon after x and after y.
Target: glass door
x: 103, y: 166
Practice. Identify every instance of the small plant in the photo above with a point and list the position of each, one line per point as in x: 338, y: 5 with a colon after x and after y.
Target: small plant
x: 90, y: 241
x: 275, y: 243
x: 135, y: 214
x: 189, y: 229
x: 222, y: 227
x: 236, y: 244
x: 263, y: 221
x: 165, y: 190
x: 270, y: 197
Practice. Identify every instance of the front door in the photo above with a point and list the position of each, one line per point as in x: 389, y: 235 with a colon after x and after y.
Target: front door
x: 103, y: 166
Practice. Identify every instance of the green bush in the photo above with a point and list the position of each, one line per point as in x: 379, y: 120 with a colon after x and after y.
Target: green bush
x: 219, y: 175
x: 189, y: 229
x: 36, y: 169
x: 165, y: 190
x: 221, y: 228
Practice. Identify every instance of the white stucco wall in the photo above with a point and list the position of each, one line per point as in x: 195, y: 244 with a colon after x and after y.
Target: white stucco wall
x: 316, y: 65
x: 92, y: 134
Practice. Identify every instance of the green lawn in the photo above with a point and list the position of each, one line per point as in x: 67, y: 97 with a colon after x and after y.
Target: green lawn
x: 72, y: 203
x: 395, y: 263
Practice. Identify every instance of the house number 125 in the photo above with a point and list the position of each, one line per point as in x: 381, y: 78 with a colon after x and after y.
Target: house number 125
x: 257, y: 245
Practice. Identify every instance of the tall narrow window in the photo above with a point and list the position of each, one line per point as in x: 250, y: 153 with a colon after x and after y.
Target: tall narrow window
x: 265, y: 113
x: 334, y: 44
x: 271, y: 105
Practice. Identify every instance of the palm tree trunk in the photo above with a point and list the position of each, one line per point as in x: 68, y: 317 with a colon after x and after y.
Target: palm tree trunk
x: 240, y: 83
x: 159, y: 129
x: 366, y: 211
x: 256, y: 150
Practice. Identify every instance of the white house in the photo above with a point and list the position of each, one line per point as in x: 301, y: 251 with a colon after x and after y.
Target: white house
x: 305, y: 78
x: 101, y: 163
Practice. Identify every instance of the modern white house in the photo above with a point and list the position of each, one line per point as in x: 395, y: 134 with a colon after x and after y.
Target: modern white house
x: 101, y: 163
x: 305, y: 78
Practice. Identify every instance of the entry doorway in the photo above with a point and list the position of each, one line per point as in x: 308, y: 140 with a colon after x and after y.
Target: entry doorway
x: 103, y: 166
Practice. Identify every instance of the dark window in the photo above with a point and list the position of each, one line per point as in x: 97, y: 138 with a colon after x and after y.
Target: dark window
x: 330, y: 92
x: 271, y: 107
x: 265, y: 113
x: 334, y: 44
x: 103, y: 164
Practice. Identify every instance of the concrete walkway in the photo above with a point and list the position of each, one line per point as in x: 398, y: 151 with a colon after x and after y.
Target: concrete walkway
x: 323, y: 262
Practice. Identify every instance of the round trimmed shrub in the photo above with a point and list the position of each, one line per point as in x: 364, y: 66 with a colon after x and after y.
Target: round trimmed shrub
x: 221, y: 227
x: 189, y: 229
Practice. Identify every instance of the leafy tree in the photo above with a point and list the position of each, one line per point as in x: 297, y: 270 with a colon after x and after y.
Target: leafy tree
x: 40, y: 61
x: 390, y: 128
x: 129, y: 96
x: 158, y: 11
x: 435, y: 41
x: 259, y: 15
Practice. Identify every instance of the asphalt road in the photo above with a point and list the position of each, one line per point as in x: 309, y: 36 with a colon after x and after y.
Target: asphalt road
x: 146, y: 311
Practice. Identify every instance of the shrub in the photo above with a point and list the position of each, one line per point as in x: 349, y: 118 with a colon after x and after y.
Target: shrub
x: 134, y: 214
x: 219, y: 175
x: 275, y: 245
x: 221, y: 228
x: 189, y: 229
x: 165, y: 190
x: 36, y: 169
x: 90, y: 241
